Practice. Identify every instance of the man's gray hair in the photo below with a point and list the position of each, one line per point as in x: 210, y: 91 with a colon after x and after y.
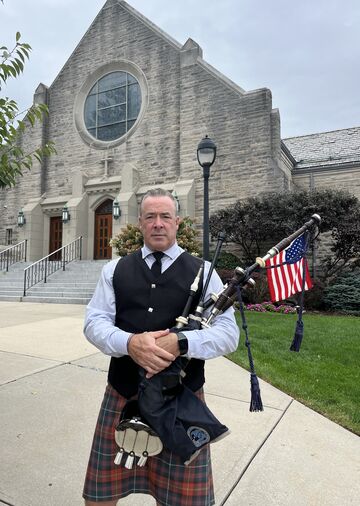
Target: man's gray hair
x: 158, y: 192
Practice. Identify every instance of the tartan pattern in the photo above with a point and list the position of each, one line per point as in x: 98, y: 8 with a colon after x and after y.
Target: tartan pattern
x: 164, y: 476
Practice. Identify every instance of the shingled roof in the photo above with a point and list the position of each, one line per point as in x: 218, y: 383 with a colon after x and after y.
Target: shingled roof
x: 328, y: 148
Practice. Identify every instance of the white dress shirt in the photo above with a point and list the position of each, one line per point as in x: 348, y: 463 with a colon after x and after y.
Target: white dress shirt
x: 100, y: 330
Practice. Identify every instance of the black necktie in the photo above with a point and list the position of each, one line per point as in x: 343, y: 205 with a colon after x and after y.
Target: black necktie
x: 156, y: 266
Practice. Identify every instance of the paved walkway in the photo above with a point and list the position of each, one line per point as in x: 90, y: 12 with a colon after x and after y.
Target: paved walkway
x: 51, y: 385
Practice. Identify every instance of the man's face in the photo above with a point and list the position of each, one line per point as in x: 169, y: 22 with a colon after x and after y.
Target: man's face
x: 158, y: 222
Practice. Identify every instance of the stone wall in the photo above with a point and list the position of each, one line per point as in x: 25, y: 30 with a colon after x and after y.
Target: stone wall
x: 340, y: 178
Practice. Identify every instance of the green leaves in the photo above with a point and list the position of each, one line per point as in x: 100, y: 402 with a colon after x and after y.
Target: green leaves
x: 130, y: 239
x: 13, y: 160
x: 344, y: 294
x: 12, y: 61
x: 186, y: 236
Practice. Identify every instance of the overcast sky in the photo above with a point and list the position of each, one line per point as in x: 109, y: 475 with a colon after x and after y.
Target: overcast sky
x: 306, y: 52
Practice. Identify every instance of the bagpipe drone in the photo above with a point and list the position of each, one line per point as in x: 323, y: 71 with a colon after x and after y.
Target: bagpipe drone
x: 167, y: 413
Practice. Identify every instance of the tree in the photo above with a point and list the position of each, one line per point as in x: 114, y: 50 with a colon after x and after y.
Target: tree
x: 13, y: 159
x: 262, y: 221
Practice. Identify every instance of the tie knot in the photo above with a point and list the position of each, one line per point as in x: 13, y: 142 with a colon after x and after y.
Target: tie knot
x: 158, y: 255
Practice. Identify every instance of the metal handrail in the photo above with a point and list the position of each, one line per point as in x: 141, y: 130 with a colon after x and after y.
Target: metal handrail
x: 43, y: 268
x: 15, y: 253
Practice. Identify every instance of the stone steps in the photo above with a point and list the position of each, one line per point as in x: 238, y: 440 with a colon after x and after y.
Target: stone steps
x: 11, y: 298
x: 68, y: 288
x: 56, y: 300
x: 75, y: 285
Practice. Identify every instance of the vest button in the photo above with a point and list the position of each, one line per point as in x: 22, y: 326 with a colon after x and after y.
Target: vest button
x: 153, y: 286
x: 151, y: 309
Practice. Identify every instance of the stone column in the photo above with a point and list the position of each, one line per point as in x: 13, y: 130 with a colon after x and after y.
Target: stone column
x: 78, y: 209
x: 33, y: 229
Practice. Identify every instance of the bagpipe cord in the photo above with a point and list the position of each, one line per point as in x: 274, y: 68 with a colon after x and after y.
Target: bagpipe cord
x: 299, y: 329
x: 256, y: 402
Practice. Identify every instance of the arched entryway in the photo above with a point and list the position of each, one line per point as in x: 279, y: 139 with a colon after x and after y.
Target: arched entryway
x: 103, y: 230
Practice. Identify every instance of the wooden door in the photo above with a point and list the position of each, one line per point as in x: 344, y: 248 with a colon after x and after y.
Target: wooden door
x: 55, y: 241
x: 103, y: 231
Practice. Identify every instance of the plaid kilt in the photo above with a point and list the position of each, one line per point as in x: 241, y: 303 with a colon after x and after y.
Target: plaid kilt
x: 164, y: 476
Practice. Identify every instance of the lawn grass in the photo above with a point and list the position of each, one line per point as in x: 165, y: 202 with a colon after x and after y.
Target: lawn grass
x: 324, y: 375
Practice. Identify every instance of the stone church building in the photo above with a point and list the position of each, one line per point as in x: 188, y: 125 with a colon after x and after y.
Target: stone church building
x: 127, y: 112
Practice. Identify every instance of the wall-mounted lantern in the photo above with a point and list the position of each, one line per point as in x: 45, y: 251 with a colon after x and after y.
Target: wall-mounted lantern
x: 176, y: 198
x: 116, y: 210
x: 65, y: 215
x: 21, y: 218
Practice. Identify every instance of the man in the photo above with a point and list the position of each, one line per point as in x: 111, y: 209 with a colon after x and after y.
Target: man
x: 129, y: 318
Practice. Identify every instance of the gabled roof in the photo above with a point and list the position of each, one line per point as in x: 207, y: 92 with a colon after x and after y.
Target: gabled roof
x: 189, y: 44
x: 327, y: 148
x: 149, y: 23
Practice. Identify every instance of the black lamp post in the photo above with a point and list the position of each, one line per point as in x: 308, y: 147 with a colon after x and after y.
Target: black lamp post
x: 206, y: 154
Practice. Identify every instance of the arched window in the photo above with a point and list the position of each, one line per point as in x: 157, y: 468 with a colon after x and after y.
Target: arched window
x: 112, y: 106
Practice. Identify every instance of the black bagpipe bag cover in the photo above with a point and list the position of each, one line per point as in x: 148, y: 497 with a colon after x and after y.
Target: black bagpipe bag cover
x: 182, y: 420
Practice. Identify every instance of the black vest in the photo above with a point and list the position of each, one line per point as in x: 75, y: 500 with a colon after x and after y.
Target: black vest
x: 144, y: 303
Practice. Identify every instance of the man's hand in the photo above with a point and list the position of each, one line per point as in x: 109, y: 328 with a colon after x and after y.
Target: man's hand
x: 145, y: 350
x: 169, y: 343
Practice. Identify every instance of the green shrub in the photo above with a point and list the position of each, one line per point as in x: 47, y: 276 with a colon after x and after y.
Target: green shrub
x: 187, y: 236
x: 314, y: 298
x: 129, y: 240
x: 258, y: 293
x: 227, y: 260
x: 344, y: 294
x: 225, y: 274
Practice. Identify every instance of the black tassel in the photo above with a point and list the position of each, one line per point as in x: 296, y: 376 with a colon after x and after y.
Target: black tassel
x: 256, y: 402
x: 299, y: 332
x: 299, y: 329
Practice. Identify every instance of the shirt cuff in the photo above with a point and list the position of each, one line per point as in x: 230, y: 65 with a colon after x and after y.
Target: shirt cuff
x: 119, y: 342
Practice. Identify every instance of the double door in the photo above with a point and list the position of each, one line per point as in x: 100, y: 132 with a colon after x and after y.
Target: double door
x: 103, y: 233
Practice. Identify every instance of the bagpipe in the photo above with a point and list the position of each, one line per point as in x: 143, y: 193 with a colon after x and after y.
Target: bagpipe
x: 166, y: 408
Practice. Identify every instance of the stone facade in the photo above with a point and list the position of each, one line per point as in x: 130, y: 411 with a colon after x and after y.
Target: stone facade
x: 183, y: 99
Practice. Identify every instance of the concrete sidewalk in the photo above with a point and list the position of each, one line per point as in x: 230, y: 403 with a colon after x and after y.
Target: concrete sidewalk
x: 51, y: 386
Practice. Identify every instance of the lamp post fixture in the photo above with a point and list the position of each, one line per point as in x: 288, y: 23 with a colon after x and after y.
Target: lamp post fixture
x: 206, y: 154
x: 65, y: 215
x: 21, y: 218
x: 116, y: 210
x: 176, y: 198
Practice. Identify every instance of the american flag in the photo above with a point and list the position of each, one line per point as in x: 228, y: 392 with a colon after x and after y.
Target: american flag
x: 286, y: 279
